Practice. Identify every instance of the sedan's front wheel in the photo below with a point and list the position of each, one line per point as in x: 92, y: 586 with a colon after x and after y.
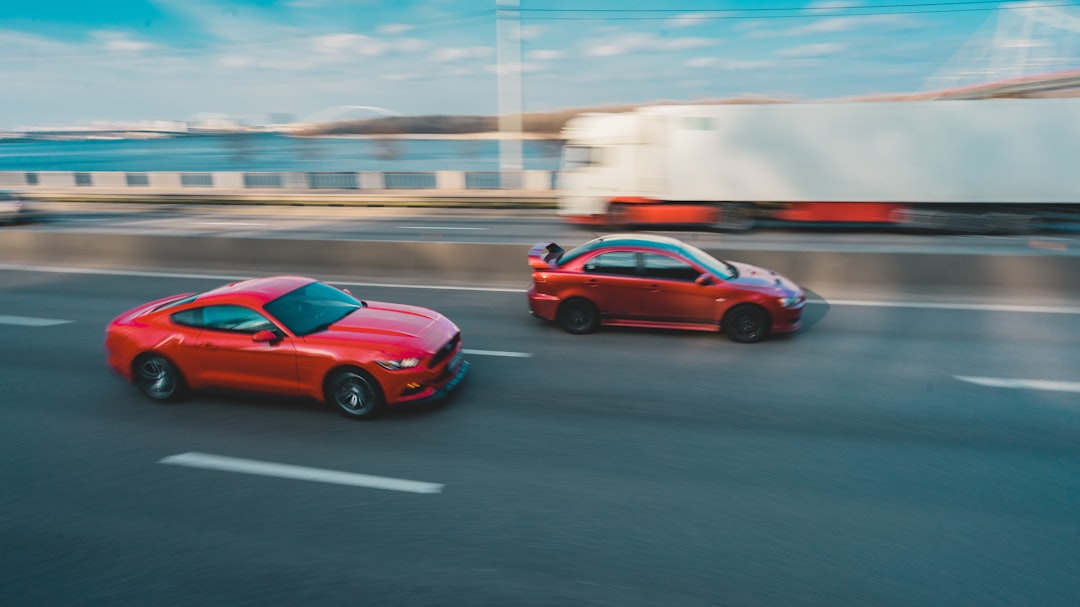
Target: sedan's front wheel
x: 158, y: 378
x: 355, y: 393
x: 747, y: 323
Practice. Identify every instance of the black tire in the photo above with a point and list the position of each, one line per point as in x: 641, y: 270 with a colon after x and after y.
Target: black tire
x: 355, y: 393
x: 618, y: 216
x: 747, y: 323
x: 578, y: 316
x: 158, y: 378
x: 735, y: 218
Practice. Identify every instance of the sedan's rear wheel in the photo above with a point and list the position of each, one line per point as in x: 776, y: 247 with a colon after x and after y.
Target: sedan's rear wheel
x: 578, y: 316
x: 747, y: 323
x: 158, y: 378
x: 355, y: 393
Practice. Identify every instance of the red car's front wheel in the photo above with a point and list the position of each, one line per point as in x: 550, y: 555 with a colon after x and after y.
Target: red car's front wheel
x: 355, y: 393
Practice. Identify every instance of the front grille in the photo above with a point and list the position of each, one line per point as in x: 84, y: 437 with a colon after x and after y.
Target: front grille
x: 445, y: 351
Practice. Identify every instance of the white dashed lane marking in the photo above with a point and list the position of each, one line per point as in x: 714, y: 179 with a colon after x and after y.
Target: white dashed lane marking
x: 1022, y: 384
x: 30, y: 321
x: 497, y: 353
x: 222, y: 463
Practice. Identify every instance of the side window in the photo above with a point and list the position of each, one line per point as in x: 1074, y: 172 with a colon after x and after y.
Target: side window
x: 668, y: 268
x: 224, y: 318
x: 189, y: 318
x: 621, y: 263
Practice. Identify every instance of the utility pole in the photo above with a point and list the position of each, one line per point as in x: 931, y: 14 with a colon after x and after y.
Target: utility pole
x: 508, y: 72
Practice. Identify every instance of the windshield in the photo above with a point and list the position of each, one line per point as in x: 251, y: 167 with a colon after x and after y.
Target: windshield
x: 312, y: 308
x: 720, y: 268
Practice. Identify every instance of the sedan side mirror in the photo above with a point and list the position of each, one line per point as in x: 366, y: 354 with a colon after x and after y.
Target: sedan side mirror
x: 704, y: 280
x: 265, y: 336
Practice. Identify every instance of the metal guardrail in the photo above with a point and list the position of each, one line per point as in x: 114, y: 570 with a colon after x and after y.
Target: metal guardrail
x: 430, y: 181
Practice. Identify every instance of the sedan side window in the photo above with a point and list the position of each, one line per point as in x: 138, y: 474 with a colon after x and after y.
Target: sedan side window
x: 620, y: 263
x: 236, y: 319
x: 668, y: 268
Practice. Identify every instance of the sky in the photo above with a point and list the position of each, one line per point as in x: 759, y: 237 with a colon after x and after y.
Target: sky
x: 78, y: 62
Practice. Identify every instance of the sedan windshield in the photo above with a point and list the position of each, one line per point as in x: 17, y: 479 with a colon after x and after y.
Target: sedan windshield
x: 312, y: 308
x: 721, y: 269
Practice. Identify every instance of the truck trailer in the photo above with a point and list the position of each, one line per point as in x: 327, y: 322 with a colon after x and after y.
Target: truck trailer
x: 995, y: 165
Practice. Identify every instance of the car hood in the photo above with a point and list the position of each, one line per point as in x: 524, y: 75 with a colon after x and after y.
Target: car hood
x: 753, y: 276
x: 386, y: 319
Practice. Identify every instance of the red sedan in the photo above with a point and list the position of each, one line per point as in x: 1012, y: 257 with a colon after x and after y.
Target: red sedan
x: 641, y: 280
x: 288, y: 335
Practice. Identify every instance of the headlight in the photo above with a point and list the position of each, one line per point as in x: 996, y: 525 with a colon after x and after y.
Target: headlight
x: 397, y: 365
x: 789, y: 302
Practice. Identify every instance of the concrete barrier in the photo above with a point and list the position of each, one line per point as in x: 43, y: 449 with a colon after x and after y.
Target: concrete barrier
x: 1044, y: 275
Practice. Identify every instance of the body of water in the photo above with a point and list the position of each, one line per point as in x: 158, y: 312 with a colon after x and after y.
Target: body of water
x: 269, y: 152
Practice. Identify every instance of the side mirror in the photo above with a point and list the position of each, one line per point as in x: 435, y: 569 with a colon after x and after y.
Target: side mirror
x: 704, y: 280
x: 265, y: 336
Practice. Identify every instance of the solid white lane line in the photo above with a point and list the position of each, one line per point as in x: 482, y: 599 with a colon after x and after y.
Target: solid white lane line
x: 438, y: 228
x: 497, y: 353
x: 972, y: 307
x: 232, y: 277
x: 30, y: 321
x: 866, y: 303
x: 301, y: 473
x: 226, y: 223
x: 1022, y: 384
x: 390, y: 285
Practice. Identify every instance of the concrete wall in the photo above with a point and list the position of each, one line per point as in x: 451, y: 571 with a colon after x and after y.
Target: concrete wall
x: 1041, y: 275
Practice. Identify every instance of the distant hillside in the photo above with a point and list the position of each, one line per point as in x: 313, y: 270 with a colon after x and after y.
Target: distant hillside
x: 550, y: 124
x: 543, y: 124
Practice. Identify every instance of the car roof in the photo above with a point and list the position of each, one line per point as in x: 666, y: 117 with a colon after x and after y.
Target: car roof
x: 256, y: 291
x: 630, y: 240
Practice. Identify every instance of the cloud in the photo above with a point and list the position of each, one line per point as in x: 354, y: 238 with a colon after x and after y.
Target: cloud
x: 544, y: 55
x: 530, y: 32
x: 120, y: 42
x: 830, y: 5
x: 348, y: 44
x: 834, y: 25
x: 719, y: 63
x: 630, y: 43
x: 449, y: 54
x: 812, y: 50
x: 687, y: 20
x: 393, y: 29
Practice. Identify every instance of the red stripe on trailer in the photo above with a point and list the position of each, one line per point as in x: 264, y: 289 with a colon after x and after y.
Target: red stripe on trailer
x: 855, y: 212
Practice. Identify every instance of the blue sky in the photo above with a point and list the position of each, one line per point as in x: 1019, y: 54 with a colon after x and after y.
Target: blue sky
x: 70, y: 62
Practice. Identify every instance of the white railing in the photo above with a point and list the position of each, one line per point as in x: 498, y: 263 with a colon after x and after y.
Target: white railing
x: 435, y: 181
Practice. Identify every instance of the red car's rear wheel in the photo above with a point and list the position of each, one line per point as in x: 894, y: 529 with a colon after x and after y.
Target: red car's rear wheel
x: 157, y: 377
x: 578, y: 316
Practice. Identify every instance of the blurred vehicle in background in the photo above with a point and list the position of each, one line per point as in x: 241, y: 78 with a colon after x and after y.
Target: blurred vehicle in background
x: 985, y: 166
x: 14, y: 208
x: 288, y: 335
x: 641, y: 280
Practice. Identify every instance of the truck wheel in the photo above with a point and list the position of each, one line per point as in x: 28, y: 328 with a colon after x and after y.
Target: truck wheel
x: 618, y: 215
x: 734, y: 218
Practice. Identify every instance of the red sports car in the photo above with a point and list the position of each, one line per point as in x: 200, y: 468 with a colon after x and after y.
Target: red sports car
x: 288, y: 335
x: 642, y: 280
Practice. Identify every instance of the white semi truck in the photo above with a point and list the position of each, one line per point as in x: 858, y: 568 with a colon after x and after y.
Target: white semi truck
x: 984, y: 165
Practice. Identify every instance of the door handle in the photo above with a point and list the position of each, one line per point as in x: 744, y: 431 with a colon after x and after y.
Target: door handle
x: 653, y: 288
x: 210, y: 346
x: 592, y: 282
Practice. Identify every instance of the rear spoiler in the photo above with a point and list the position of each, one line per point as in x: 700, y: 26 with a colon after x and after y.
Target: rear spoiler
x: 545, y: 255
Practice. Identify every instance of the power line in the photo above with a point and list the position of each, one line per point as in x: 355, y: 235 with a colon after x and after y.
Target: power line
x: 926, y: 8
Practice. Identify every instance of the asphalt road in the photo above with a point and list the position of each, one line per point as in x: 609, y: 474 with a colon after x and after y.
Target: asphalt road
x: 844, y: 465
x: 493, y: 226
